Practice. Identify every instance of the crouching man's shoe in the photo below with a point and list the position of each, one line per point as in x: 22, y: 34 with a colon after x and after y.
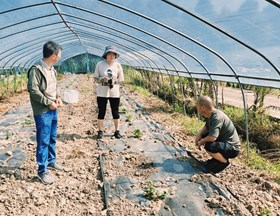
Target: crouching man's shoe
x: 216, y: 166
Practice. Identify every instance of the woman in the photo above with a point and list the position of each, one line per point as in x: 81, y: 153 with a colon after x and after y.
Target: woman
x: 108, y: 74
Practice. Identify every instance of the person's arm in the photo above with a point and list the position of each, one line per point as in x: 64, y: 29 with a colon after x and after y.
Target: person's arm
x: 97, y: 77
x: 202, y: 141
x: 198, y: 137
x: 213, y: 132
x: 120, y: 78
x: 58, y: 100
x: 34, y: 88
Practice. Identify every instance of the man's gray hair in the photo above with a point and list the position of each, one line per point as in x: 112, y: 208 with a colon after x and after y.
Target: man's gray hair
x: 205, y: 101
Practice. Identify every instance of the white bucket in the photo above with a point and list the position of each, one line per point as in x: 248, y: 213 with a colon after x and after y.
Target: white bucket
x: 70, y: 96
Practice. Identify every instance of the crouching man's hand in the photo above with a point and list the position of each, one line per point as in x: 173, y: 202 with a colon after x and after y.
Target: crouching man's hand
x: 200, y: 143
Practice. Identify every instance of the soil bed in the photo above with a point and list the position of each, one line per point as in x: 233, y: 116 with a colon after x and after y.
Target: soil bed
x: 79, y: 190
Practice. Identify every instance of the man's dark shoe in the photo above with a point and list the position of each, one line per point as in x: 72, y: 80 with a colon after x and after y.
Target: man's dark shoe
x: 55, y: 167
x: 46, y: 178
x: 117, y: 134
x: 100, y: 134
x: 210, y: 161
x: 216, y: 166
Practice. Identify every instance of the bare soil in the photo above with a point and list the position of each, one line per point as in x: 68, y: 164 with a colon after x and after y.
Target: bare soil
x: 79, y: 189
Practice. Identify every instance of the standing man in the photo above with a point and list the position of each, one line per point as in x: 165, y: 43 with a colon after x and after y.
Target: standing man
x: 219, y: 136
x: 42, y: 86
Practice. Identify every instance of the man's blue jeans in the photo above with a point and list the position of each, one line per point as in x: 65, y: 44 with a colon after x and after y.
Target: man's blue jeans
x: 46, y: 126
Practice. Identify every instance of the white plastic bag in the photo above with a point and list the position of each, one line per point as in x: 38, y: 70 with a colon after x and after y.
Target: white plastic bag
x: 70, y: 96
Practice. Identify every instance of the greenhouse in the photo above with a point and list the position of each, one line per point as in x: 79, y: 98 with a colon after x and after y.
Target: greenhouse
x: 171, y: 53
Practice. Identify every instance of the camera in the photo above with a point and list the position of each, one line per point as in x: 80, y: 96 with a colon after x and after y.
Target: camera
x: 110, y: 81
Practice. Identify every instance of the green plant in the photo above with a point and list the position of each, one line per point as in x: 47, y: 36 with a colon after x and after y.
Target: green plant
x: 152, y: 193
x: 8, y: 134
x: 141, y: 90
x: 191, y: 125
x: 10, y: 84
x: 137, y: 133
x: 28, y: 122
x: 86, y: 89
x: 129, y: 118
x: 258, y: 162
x: 178, y: 108
x: 123, y: 111
x: 259, y: 95
x: 59, y: 77
x: 265, y: 212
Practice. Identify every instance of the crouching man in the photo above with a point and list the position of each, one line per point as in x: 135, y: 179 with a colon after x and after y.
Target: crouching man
x: 218, y: 136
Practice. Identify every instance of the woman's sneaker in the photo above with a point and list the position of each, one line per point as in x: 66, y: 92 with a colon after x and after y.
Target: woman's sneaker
x: 100, y: 134
x: 117, y: 134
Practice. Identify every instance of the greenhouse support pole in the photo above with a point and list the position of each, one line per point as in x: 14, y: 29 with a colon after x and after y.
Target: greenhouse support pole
x: 8, y: 78
x: 15, y: 81
x: 158, y: 84
x: 181, y: 86
x: 1, y: 81
x: 246, y: 120
x: 164, y: 91
x: 171, y: 85
x: 21, y: 79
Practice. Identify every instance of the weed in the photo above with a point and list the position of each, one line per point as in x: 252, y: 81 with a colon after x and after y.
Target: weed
x: 178, y: 108
x: 10, y: 84
x: 265, y: 212
x: 152, y: 193
x: 8, y: 134
x: 191, y: 124
x: 137, y: 133
x: 141, y: 90
x: 259, y: 163
x: 128, y: 118
x: 59, y: 77
x: 123, y: 111
x: 28, y: 122
x: 86, y: 89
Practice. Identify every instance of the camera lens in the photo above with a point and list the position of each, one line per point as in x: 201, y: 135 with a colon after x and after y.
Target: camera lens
x: 110, y: 74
